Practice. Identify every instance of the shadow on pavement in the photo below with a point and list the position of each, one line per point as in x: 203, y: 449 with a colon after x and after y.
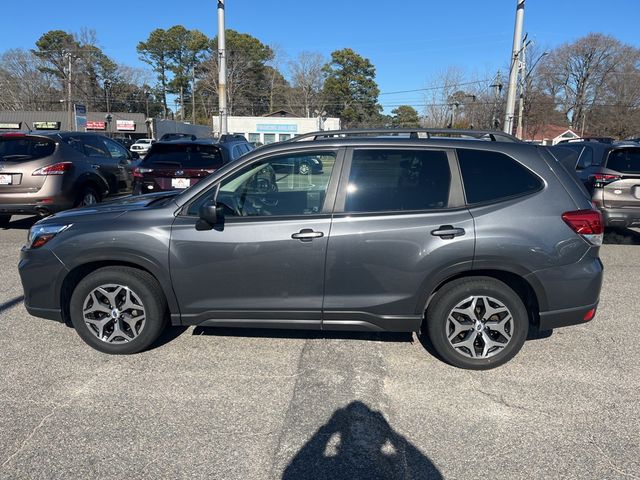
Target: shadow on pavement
x: 168, y: 335
x: 302, y: 334
x: 11, y: 303
x: 621, y: 236
x: 358, y: 443
x: 23, y: 223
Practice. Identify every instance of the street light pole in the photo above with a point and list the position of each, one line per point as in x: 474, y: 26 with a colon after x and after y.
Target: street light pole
x: 69, y: 105
x: 513, y: 72
x: 222, y: 70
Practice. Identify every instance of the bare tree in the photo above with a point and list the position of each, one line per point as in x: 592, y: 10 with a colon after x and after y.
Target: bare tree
x: 307, y: 79
x: 23, y: 86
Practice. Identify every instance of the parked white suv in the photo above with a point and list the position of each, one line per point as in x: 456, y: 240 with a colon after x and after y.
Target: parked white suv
x: 142, y: 146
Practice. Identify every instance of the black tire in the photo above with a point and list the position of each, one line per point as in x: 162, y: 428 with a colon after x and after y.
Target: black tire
x: 452, y: 295
x: 143, y: 286
x: 4, y: 221
x: 87, y: 192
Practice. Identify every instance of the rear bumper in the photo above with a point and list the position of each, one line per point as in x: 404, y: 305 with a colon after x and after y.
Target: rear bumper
x: 566, y: 317
x: 621, y: 217
x: 34, y: 208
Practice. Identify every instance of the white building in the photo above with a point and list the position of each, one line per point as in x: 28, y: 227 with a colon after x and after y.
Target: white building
x: 275, y: 127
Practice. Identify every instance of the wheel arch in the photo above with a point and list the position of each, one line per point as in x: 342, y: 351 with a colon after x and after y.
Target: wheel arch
x: 78, y: 272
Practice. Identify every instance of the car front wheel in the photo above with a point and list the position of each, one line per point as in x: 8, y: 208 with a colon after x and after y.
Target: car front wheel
x: 477, y: 323
x: 118, y: 310
x: 4, y: 221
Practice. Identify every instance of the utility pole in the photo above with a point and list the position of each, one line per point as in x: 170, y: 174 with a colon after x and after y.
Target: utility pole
x: 513, y: 72
x: 69, y: 104
x: 222, y: 71
x: 495, y: 122
x: 193, y: 96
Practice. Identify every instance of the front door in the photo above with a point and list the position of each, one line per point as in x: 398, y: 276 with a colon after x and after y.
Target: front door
x: 264, y: 265
x: 399, y: 228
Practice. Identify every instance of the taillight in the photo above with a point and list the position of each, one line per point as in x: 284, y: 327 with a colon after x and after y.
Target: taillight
x: 587, y: 223
x: 140, y: 171
x: 601, y: 179
x: 54, y: 169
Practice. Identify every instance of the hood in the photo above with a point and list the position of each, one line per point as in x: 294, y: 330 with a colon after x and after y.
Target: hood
x: 108, y: 210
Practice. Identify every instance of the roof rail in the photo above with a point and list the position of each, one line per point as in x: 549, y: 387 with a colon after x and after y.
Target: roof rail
x: 428, y: 133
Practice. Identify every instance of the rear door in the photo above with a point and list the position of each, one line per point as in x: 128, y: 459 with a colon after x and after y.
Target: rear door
x: 100, y: 159
x: 400, y: 226
x: 624, y: 192
x: 20, y: 156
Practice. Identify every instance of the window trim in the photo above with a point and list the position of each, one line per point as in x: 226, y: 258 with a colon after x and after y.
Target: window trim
x: 329, y: 200
x: 456, y: 199
x: 543, y: 182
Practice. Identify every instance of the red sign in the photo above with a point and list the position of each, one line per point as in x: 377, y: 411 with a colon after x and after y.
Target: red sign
x: 96, y: 125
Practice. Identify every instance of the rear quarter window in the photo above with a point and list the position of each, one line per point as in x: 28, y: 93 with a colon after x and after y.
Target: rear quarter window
x: 625, y: 160
x: 23, y: 149
x: 491, y: 176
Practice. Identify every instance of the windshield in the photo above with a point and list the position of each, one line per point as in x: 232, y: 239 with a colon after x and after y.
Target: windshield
x: 16, y: 149
x: 625, y: 160
x: 183, y: 156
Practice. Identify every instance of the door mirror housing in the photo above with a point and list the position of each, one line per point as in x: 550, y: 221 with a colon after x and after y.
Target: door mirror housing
x: 135, y: 155
x: 211, y: 214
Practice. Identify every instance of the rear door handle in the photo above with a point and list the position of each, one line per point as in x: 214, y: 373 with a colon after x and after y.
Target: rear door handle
x: 96, y: 166
x: 306, y: 235
x: 447, y: 232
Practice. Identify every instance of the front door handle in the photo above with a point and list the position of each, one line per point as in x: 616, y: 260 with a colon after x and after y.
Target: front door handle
x: 96, y: 166
x: 306, y: 235
x: 447, y: 232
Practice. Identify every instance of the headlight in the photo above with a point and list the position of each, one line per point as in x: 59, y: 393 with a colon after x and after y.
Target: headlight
x: 41, y: 234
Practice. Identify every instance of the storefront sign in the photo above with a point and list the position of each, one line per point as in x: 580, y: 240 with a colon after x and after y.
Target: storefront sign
x: 46, y: 125
x: 126, y: 125
x: 276, y: 127
x: 10, y: 125
x: 96, y: 125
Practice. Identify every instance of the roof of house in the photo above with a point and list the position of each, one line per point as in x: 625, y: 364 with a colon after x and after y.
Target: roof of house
x: 551, y: 131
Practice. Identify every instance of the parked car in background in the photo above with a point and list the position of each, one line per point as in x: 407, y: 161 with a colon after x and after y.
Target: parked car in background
x: 466, y: 241
x: 611, y: 173
x: 44, y: 173
x: 181, y: 163
x: 142, y: 146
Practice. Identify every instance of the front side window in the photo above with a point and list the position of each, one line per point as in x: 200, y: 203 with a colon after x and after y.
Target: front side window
x: 490, y: 176
x: 398, y: 180
x: 94, y: 147
x: 116, y: 150
x: 276, y: 186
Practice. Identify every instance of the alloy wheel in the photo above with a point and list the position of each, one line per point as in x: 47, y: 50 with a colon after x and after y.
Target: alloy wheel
x: 114, y: 313
x: 479, y: 327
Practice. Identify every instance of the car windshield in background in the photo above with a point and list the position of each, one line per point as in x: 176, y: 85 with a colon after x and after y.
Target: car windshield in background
x: 183, y: 156
x: 25, y: 148
x: 626, y: 160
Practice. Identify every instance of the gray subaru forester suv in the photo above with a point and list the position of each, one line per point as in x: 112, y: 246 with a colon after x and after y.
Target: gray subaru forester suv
x: 467, y: 237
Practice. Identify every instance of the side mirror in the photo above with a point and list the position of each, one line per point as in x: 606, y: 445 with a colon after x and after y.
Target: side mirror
x: 135, y: 155
x: 211, y: 214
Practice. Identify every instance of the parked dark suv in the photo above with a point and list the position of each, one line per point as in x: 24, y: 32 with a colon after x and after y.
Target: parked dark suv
x: 466, y: 240
x: 183, y: 162
x: 611, y: 173
x: 43, y: 173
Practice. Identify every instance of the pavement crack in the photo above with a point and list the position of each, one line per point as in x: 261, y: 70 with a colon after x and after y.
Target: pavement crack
x: 613, y: 466
x: 500, y: 399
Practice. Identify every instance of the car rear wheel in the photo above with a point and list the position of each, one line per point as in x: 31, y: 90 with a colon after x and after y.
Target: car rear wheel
x: 88, y: 196
x: 304, y: 168
x: 4, y: 221
x: 118, y: 310
x: 477, y: 323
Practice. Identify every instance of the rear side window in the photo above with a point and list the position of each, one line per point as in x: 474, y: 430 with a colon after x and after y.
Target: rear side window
x: 491, y: 176
x: 22, y: 149
x: 625, y: 160
x: 398, y: 180
x: 183, y: 156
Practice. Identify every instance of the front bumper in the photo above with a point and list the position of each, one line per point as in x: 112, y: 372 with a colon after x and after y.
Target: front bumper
x: 40, y: 272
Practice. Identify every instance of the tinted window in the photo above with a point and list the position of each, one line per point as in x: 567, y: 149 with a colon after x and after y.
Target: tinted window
x: 490, y: 176
x: 183, y: 156
x: 274, y: 187
x: 18, y: 149
x: 625, y: 160
x: 116, y: 150
x: 586, y: 159
x: 95, y: 147
x: 398, y: 180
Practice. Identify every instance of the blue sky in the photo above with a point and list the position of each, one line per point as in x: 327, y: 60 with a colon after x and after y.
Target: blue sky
x: 408, y: 41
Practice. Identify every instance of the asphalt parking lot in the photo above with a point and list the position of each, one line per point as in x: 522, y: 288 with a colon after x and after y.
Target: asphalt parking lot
x: 234, y: 404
